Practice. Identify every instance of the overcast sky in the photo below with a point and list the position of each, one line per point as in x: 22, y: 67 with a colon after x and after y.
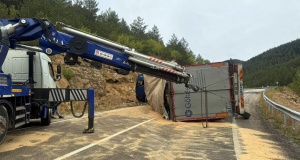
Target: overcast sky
x: 217, y: 29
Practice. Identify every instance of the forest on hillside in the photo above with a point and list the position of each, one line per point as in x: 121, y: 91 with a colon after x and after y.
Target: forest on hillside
x: 83, y: 14
x: 279, y: 64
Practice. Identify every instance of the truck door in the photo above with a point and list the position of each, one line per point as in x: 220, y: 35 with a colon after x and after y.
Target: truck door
x: 47, y: 73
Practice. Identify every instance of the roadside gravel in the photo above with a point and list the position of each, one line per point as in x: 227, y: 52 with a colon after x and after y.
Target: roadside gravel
x: 260, y: 140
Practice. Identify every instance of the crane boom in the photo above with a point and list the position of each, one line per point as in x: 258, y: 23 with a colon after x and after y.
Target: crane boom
x: 77, y: 43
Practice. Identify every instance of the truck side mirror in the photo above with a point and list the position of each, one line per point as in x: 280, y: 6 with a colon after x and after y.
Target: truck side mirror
x: 58, y: 75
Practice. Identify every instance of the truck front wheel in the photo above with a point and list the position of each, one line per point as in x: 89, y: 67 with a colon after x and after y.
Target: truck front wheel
x: 47, y: 120
x: 3, y: 122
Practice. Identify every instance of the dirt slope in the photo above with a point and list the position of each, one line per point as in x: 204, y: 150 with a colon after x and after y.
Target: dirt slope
x: 286, y: 97
x: 112, y: 90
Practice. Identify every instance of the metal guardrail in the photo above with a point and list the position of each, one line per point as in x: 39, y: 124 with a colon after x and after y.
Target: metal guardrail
x: 286, y: 112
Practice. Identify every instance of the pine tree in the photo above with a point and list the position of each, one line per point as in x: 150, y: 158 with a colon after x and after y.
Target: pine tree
x: 3, y: 10
x: 154, y: 34
x: 138, y: 28
x: 92, y: 7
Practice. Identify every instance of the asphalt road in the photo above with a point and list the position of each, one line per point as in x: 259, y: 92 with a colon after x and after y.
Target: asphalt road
x: 140, y: 133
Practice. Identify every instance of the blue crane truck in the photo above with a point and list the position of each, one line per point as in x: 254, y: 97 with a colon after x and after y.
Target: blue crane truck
x: 29, y: 91
x: 28, y: 94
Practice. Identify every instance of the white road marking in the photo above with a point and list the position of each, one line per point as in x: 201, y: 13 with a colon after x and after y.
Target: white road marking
x: 102, y: 140
x: 247, y: 95
x: 236, y: 143
x: 254, y: 90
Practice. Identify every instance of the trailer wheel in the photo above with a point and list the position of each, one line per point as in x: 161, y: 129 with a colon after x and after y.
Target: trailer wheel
x: 46, y: 121
x: 3, y: 122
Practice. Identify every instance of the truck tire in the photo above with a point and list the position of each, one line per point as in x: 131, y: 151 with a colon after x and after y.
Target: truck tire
x: 3, y: 122
x: 46, y: 121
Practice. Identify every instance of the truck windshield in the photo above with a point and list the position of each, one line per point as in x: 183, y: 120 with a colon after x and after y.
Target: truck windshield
x: 51, y: 71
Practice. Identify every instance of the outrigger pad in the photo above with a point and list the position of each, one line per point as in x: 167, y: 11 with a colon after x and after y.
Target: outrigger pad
x: 89, y: 130
x: 246, y: 115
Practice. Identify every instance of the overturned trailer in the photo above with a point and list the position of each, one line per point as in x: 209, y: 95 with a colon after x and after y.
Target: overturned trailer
x: 220, y: 96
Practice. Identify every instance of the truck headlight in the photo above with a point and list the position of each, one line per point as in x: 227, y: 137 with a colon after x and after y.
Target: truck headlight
x: 3, y: 81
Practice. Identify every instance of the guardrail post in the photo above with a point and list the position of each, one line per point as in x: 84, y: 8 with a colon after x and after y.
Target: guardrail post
x: 296, y: 125
x: 272, y: 110
x: 284, y: 119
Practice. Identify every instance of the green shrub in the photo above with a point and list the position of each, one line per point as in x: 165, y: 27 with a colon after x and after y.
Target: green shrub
x: 68, y: 73
x: 295, y: 85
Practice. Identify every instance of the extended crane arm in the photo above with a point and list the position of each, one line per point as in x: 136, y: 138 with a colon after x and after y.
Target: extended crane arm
x: 76, y: 43
x: 14, y: 31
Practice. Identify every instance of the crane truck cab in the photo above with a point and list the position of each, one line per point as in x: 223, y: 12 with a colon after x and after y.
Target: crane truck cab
x: 27, y: 70
x: 17, y: 64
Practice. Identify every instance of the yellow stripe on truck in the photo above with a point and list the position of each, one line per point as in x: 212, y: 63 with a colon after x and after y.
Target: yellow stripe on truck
x: 222, y: 115
x: 16, y: 90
